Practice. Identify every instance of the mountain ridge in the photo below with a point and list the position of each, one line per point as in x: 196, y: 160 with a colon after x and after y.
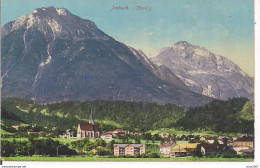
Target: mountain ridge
x: 52, y: 55
x: 205, y: 72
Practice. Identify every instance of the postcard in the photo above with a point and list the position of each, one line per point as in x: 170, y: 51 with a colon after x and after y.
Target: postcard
x: 135, y: 81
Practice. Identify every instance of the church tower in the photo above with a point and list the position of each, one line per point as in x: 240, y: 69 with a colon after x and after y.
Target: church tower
x: 91, y: 119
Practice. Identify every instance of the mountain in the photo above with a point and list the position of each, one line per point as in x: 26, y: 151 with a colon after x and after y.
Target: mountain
x: 204, y: 72
x: 52, y: 55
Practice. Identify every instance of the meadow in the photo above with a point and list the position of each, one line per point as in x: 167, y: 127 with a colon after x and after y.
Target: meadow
x: 83, y: 158
x: 199, y: 132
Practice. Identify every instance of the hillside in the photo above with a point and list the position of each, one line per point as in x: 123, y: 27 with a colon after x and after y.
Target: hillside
x: 109, y: 114
x: 218, y: 116
x: 247, y: 113
x: 221, y: 116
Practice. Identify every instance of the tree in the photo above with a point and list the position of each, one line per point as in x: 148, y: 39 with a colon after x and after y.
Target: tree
x: 137, y: 139
x: 156, y: 137
x: 146, y: 136
x: 64, y: 150
x: 100, y: 142
x: 7, y: 149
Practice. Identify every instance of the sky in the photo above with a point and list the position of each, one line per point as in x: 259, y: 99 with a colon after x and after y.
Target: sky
x: 225, y: 27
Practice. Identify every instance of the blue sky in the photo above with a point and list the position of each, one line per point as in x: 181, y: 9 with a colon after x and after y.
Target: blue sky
x: 225, y: 27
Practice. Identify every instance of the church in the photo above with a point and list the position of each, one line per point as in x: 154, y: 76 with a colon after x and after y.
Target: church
x: 88, y: 130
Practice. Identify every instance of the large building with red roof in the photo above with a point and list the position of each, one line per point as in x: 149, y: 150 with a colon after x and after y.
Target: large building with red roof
x: 88, y: 130
x: 166, y: 148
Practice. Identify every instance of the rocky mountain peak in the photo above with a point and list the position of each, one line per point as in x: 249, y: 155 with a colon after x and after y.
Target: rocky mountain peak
x: 52, y: 12
x: 204, y: 72
x: 56, y: 23
x: 182, y: 43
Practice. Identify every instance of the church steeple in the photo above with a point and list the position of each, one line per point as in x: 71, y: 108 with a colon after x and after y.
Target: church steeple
x: 91, y: 119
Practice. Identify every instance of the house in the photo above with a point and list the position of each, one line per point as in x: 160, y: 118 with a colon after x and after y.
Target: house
x: 183, y: 149
x: 207, y: 139
x: 164, y: 135
x: 245, y: 142
x: 33, y: 133
x: 129, y: 149
x: 166, y: 148
x: 106, y: 136
x: 110, y: 132
x: 223, y: 140
x: 113, y: 134
x: 135, y: 133
x: 88, y: 130
x: 68, y: 134
x: 235, y: 138
x: 172, y: 139
x: 208, y: 148
x: 16, y: 127
x: 118, y: 133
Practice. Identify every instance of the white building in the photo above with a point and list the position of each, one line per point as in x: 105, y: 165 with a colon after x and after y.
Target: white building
x: 166, y: 148
x: 107, y: 137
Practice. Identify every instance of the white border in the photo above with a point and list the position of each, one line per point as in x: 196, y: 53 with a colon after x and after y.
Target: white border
x: 175, y: 164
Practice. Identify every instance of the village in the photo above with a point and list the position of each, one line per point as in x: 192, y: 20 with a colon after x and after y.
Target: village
x: 135, y: 144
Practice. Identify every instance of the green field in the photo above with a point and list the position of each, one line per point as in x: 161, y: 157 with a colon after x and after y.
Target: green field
x: 65, y: 140
x: 109, y: 122
x: 61, y: 140
x: 17, y: 139
x: 79, y: 158
x: 202, y: 133
x: 3, y: 132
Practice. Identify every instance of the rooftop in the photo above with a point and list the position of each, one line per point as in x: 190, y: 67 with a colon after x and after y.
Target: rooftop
x: 185, y: 145
x: 245, y: 138
x: 89, y: 127
x: 213, y: 146
x: 168, y: 144
x: 125, y: 145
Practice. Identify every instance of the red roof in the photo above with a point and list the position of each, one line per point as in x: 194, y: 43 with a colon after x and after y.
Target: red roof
x: 89, y: 127
x: 120, y: 131
x: 164, y: 134
x: 165, y: 145
x: 96, y: 128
